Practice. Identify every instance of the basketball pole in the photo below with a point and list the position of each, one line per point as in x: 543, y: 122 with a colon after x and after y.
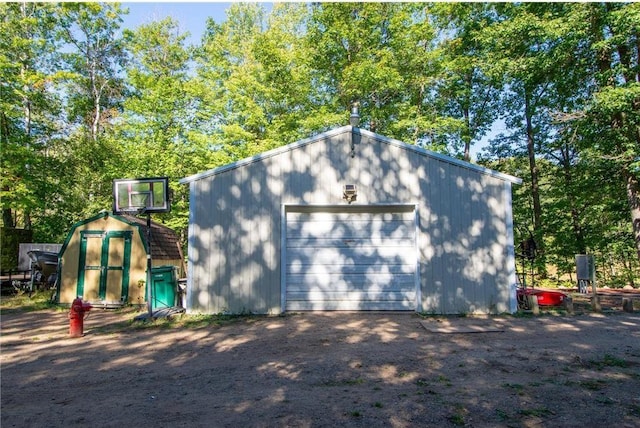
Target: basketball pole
x: 149, y: 285
x: 136, y: 196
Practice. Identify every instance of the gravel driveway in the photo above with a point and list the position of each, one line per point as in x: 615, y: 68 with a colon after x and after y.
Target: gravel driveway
x: 322, y: 370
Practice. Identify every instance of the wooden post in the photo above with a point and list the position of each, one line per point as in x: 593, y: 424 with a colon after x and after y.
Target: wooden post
x: 595, y: 302
x: 627, y: 304
x: 568, y: 305
x: 533, y: 304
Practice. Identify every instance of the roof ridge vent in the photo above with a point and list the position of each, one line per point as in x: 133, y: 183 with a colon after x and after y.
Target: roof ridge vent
x: 354, y: 119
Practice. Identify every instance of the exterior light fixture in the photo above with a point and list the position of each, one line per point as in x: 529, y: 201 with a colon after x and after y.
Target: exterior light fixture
x: 350, y: 192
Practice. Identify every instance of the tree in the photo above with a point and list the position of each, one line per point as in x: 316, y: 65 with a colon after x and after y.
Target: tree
x: 466, y: 93
x: 255, y: 82
x: 229, y: 81
x: 97, y: 56
x: 614, y: 114
x: 526, y: 49
x: 93, y: 58
x: 380, y: 55
x: 29, y: 113
x: 605, y: 114
x: 154, y: 127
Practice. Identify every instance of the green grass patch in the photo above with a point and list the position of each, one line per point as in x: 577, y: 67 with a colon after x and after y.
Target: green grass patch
x: 23, y: 302
x: 444, y: 380
x: 606, y: 401
x: 502, y: 415
x: 458, y: 416
x: 342, y: 382
x: 609, y: 361
x: 518, y: 388
x: 422, y: 382
x: 593, y: 385
x: 182, y: 321
x: 536, y: 411
x: 457, y: 420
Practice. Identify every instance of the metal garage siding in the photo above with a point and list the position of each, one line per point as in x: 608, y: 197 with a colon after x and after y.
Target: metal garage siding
x: 464, y: 260
x: 238, y: 231
x: 351, y: 258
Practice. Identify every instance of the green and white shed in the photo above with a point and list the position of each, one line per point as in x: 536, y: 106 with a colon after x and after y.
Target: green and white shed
x: 350, y: 220
x: 104, y: 259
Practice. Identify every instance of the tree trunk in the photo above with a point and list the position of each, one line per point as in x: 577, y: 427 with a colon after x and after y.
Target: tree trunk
x: 7, y: 218
x: 633, y: 197
x: 535, y: 186
x: 466, y: 137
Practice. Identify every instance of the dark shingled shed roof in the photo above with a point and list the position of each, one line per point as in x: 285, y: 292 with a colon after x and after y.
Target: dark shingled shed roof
x: 164, y: 241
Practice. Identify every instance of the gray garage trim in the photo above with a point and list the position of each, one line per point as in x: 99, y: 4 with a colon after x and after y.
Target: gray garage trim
x: 341, y: 257
x: 361, y: 133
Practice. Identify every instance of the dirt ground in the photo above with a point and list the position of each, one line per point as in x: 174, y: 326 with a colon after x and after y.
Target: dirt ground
x: 329, y: 369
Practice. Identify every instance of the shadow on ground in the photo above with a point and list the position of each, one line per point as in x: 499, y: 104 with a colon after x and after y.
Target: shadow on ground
x: 321, y: 369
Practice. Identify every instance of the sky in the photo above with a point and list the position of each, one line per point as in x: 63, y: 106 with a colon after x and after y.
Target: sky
x: 191, y: 16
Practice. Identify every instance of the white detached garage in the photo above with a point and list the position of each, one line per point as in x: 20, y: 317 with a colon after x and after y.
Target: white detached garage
x: 350, y: 220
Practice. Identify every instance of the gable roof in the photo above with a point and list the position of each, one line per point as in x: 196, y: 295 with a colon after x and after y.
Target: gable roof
x: 344, y: 129
x: 165, y: 244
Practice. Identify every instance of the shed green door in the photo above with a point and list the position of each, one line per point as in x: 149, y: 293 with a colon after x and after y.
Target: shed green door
x: 103, y: 271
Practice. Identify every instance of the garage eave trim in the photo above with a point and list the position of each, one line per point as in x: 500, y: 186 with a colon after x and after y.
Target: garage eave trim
x: 261, y: 156
x: 338, y: 131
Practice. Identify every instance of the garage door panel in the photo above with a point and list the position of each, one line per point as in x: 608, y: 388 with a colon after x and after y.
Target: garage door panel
x: 405, y: 304
x: 351, y: 260
x: 350, y: 242
x: 397, y: 282
x: 375, y: 214
x: 399, y: 268
x: 353, y: 230
x: 353, y: 256
x: 355, y: 296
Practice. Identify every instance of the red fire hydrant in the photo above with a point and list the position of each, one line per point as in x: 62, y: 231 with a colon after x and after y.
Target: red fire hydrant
x: 77, y: 316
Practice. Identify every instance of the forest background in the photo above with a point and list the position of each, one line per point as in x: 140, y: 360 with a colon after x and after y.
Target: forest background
x: 85, y: 102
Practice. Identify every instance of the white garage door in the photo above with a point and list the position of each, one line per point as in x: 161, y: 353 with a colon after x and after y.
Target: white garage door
x: 355, y: 258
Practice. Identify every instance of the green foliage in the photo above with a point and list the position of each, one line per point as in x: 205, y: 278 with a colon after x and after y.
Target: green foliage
x: 84, y: 103
x: 550, y: 283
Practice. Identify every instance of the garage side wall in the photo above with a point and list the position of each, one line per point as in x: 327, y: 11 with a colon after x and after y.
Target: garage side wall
x: 465, y: 253
x: 235, y: 225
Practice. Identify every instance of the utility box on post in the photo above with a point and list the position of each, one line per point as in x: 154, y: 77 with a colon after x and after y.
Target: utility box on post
x: 585, y: 271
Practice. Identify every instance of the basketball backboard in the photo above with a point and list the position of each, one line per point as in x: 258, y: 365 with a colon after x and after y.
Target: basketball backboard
x: 141, y: 195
